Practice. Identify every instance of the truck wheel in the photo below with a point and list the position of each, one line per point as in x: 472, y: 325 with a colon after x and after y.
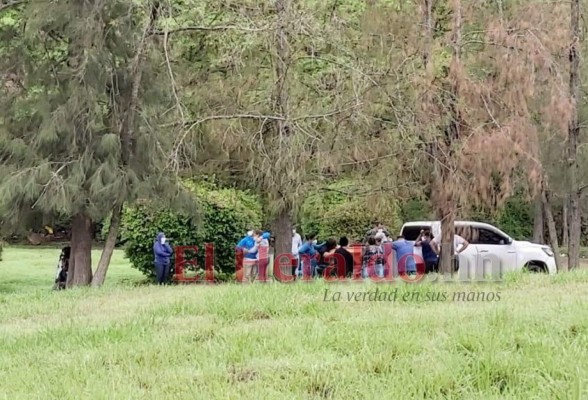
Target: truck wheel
x: 536, y: 267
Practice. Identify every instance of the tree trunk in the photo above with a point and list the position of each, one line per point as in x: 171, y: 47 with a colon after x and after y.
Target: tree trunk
x: 538, y: 221
x: 428, y: 23
x: 447, y: 249
x: 565, y: 235
x: 573, y: 137
x: 452, y: 134
x: 282, y: 230
x: 80, y: 268
x: 106, y: 256
x: 282, y: 225
x: 545, y: 198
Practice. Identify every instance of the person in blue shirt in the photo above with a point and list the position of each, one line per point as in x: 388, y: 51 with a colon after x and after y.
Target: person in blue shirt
x: 249, y: 248
x: 308, y: 252
x: 162, y: 253
x: 404, y: 255
x: 430, y: 258
x: 247, y: 243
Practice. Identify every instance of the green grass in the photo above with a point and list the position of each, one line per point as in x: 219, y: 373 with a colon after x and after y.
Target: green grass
x: 130, y: 341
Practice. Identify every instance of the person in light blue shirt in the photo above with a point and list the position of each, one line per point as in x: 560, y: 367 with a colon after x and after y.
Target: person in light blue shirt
x: 404, y: 255
x: 308, y: 255
x: 248, y: 246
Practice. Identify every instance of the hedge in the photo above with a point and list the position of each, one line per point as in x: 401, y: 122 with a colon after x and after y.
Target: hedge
x: 332, y: 212
x: 224, y: 217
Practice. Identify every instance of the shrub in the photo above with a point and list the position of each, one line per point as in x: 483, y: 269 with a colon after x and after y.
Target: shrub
x: 333, y: 213
x: 225, y: 215
x: 516, y: 218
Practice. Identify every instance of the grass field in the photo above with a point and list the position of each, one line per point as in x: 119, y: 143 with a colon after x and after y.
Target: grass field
x: 284, y: 341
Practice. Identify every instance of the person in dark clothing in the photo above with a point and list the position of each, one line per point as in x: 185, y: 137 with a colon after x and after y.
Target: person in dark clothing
x: 162, y: 253
x: 429, y: 256
x: 62, y: 268
x: 326, y: 249
x: 347, y: 256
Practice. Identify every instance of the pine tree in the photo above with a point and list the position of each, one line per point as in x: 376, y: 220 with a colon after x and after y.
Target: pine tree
x: 80, y: 115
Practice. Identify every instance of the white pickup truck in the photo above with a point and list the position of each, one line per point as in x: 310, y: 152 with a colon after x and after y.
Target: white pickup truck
x: 491, y: 251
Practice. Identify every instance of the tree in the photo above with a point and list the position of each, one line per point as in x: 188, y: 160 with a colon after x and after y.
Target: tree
x: 285, y: 111
x: 574, y: 137
x: 71, y: 139
x: 480, y: 111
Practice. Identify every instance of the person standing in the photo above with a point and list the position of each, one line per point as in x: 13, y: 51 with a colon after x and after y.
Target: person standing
x: 459, y: 246
x: 343, y: 250
x: 250, y: 261
x: 429, y: 256
x: 404, y: 255
x: 296, y: 244
x: 263, y: 256
x: 162, y: 253
x: 377, y: 227
x: 308, y: 255
x: 373, y: 259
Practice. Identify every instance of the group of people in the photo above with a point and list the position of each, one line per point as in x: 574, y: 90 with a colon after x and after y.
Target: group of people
x: 254, y: 248
x: 312, y: 258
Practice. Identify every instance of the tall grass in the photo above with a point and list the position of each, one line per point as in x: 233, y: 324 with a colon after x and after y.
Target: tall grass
x: 284, y: 341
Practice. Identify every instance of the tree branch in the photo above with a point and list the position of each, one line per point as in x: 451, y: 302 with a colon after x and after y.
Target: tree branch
x: 9, y: 4
x: 581, y: 189
x: 209, y: 29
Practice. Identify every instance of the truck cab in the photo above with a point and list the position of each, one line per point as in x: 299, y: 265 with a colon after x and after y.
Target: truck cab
x: 491, y: 251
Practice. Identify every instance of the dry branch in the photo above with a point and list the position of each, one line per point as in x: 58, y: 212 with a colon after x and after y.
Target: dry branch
x: 5, y: 5
x: 209, y: 29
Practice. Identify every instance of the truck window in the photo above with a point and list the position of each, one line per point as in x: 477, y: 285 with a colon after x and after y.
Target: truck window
x: 412, y: 232
x: 489, y: 237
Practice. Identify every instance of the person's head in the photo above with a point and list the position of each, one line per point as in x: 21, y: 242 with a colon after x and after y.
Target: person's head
x: 65, y: 252
x: 344, y: 242
x: 293, y: 230
x: 427, y: 234
x: 311, y: 237
x: 377, y: 224
x: 257, y: 234
x: 399, y: 237
x: 380, y: 236
x: 331, y: 244
x: 371, y: 240
x: 160, y: 238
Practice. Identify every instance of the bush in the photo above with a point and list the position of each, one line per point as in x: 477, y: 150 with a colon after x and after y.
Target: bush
x: 333, y: 213
x: 517, y: 218
x: 225, y: 215
x: 416, y: 210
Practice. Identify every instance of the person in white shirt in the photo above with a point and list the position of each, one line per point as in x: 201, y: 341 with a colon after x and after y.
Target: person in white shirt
x: 459, y: 245
x: 296, y: 244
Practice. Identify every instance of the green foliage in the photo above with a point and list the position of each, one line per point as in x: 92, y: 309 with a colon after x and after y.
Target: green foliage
x: 70, y: 70
x: 516, y: 218
x: 225, y: 215
x: 416, y: 210
x: 336, y: 211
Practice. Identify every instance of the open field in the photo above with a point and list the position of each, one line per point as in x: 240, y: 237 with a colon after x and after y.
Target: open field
x: 283, y: 341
